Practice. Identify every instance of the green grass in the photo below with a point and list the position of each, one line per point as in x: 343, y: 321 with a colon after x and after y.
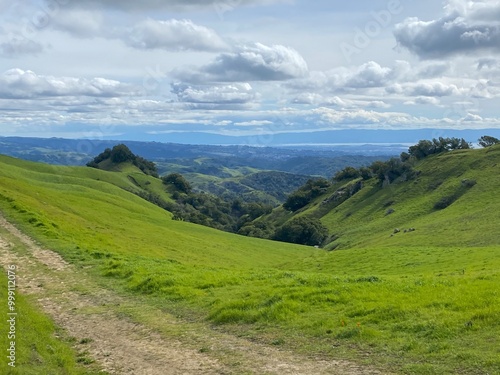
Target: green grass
x: 40, y: 347
x: 362, y: 221
x: 417, y: 303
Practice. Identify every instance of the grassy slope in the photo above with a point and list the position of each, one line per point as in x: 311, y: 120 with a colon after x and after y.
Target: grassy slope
x: 470, y: 221
x: 81, y: 205
x: 408, y: 303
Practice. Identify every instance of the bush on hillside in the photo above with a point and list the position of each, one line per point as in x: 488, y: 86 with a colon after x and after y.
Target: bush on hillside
x: 302, y: 231
x: 444, y: 202
x: 392, y: 169
x: 303, y: 196
x: 347, y: 173
x: 178, y: 181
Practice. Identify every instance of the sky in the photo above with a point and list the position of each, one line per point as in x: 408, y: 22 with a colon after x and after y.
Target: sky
x: 147, y: 69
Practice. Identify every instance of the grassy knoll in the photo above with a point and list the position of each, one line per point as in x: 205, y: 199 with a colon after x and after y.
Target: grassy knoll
x: 410, y: 307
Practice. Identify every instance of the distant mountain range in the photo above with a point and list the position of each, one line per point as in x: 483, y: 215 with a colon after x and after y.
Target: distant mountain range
x: 329, y: 137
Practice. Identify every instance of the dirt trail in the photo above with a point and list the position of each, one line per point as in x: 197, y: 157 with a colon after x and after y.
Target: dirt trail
x: 121, y: 346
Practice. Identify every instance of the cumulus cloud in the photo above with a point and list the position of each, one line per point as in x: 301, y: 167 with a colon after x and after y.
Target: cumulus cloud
x: 233, y: 96
x: 370, y: 74
x: 254, y: 62
x: 360, y: 117
x: 365, y: 76
x: 20, y: 84
x: 175, y: 35
x: 466, y: 27
x: 423, y: 100
x: 485, y: 89
x: 472, y: 118
x: 336, y: 101
x: 424, y: 88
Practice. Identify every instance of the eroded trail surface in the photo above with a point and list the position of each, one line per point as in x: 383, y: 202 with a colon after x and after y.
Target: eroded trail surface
x: 120, y: 345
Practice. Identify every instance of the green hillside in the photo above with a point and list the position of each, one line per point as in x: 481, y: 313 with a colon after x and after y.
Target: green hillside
x: 423, y: 302
x: 249, y: 185
x: 450, y: 202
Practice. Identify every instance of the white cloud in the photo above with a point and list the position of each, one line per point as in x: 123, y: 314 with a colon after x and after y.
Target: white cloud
x: 233, y: 96
x: 366, y: 76
x: 254, y: 62
x: 174, y: 35
x: 424, y: 88
x: 485, y: 89
x: 423, y: 100
x: 254, y: 123
x: 360, y: 117
x: 20, y: 84
x: 472, y: 118
x: 466, y: 27
x: 370, y: 74
x: 336, y: 101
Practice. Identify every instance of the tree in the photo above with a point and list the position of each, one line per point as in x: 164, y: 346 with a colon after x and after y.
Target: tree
x: 346, y: 174
x: 296, y: 201
x: 312, y: 189
x: 303, y: 231
x: 365, y: 173
x: 180, y: 183
x: 392, y: 169
x: 422, y: 149
x: 488, y: 141
x: 121, y: 153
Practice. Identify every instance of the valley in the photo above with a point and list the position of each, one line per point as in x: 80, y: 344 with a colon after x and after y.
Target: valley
x: 370, y: 300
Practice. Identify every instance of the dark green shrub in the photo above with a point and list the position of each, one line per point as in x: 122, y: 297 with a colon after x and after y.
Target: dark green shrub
x: 346, y: 174
x: 178, y: 181
x: 444, y: 202
x: 303, y: 231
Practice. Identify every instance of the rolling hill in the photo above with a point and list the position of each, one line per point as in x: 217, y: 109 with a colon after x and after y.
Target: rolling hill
x: 421, y: 302
x: 450, y: 202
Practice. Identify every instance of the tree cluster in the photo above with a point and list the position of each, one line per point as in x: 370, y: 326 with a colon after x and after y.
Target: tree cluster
x: 303, y: 231
x: 209, y: 210
x: 122, y: 154
x: 306, y: 194
x: 425, y: 148
x: 488, y: 141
